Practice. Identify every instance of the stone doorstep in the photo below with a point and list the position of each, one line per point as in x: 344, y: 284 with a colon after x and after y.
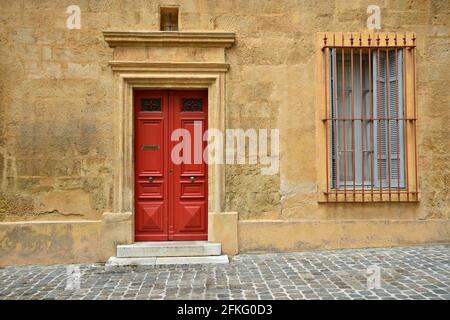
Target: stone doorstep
x: 169, y: 249
x: 154, y: 261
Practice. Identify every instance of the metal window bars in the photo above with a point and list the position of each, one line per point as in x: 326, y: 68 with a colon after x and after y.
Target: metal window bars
x: 371, y: 150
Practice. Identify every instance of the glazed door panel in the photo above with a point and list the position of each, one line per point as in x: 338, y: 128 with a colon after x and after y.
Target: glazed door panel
x: 170, y: 197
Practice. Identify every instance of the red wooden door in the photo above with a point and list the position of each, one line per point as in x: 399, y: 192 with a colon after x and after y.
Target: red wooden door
x: 171, y: 198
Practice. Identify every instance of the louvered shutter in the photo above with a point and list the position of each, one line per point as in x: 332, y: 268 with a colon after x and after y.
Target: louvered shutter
x: 383, y: 159
x: 332, y: 123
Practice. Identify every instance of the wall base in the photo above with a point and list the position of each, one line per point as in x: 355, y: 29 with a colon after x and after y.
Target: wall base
x: 223, y: 228
x: 49, y: 242
x: 117, y: 228
x: 277, y: 235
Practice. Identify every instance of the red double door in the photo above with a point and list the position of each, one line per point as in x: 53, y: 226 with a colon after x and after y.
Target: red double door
x: 171, y: 198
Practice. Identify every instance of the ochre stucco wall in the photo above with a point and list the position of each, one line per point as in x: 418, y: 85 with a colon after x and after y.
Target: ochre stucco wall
x: 56, y: 112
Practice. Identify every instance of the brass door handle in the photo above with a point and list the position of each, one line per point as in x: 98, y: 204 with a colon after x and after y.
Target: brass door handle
x: 192, y: 178
x: 150, y: 179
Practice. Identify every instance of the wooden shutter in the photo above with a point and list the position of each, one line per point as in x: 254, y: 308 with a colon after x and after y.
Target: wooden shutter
x: 388, y: 154
x: 333, y: 130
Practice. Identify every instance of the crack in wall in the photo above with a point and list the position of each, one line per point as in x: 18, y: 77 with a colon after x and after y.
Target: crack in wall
x: 56, y: 212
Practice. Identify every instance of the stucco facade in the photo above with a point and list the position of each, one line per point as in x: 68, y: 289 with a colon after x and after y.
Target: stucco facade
x: 65, y: 130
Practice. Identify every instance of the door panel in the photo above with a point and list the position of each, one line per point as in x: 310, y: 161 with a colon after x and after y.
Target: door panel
x: 151, y: 178
x: 170, y: 199
x: 191, y: 200
x: 151, y: 133
x: 196, y: 167
x: 151, y: 220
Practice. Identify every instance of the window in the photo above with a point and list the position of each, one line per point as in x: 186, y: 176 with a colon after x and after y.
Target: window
x: 169, y: 19
x: 367, y: 120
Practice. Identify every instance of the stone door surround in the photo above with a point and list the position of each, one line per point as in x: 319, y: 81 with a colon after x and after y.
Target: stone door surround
x: 162, y: 60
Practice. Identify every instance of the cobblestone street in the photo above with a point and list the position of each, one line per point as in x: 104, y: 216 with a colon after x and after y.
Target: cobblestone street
x: 406, y: 273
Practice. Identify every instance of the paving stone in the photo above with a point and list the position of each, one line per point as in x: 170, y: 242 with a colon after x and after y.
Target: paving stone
x: 406, y: 273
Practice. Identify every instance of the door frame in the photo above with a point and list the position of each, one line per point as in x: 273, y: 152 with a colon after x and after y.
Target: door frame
x: 207, y: 77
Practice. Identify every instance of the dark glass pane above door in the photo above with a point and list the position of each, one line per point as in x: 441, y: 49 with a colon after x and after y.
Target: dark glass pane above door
x: 148, y: 104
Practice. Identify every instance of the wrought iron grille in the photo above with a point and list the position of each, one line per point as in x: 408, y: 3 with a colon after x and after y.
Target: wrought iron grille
x: 368, y: 123
x: 193, y: 105
x: 148, y: 104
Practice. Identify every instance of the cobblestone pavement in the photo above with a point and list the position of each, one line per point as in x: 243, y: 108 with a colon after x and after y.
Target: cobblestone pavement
x: 406, y: 273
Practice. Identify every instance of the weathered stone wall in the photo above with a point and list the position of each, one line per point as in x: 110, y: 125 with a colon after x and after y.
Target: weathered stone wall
x: 56, y: 112
x: 56, y: 102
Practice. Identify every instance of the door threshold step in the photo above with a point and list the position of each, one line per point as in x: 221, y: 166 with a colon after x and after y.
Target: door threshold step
x: 169, y: 249
x: 154, y: 261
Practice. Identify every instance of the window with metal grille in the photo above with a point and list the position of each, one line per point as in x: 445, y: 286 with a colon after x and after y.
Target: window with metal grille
x: 367, y: 118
